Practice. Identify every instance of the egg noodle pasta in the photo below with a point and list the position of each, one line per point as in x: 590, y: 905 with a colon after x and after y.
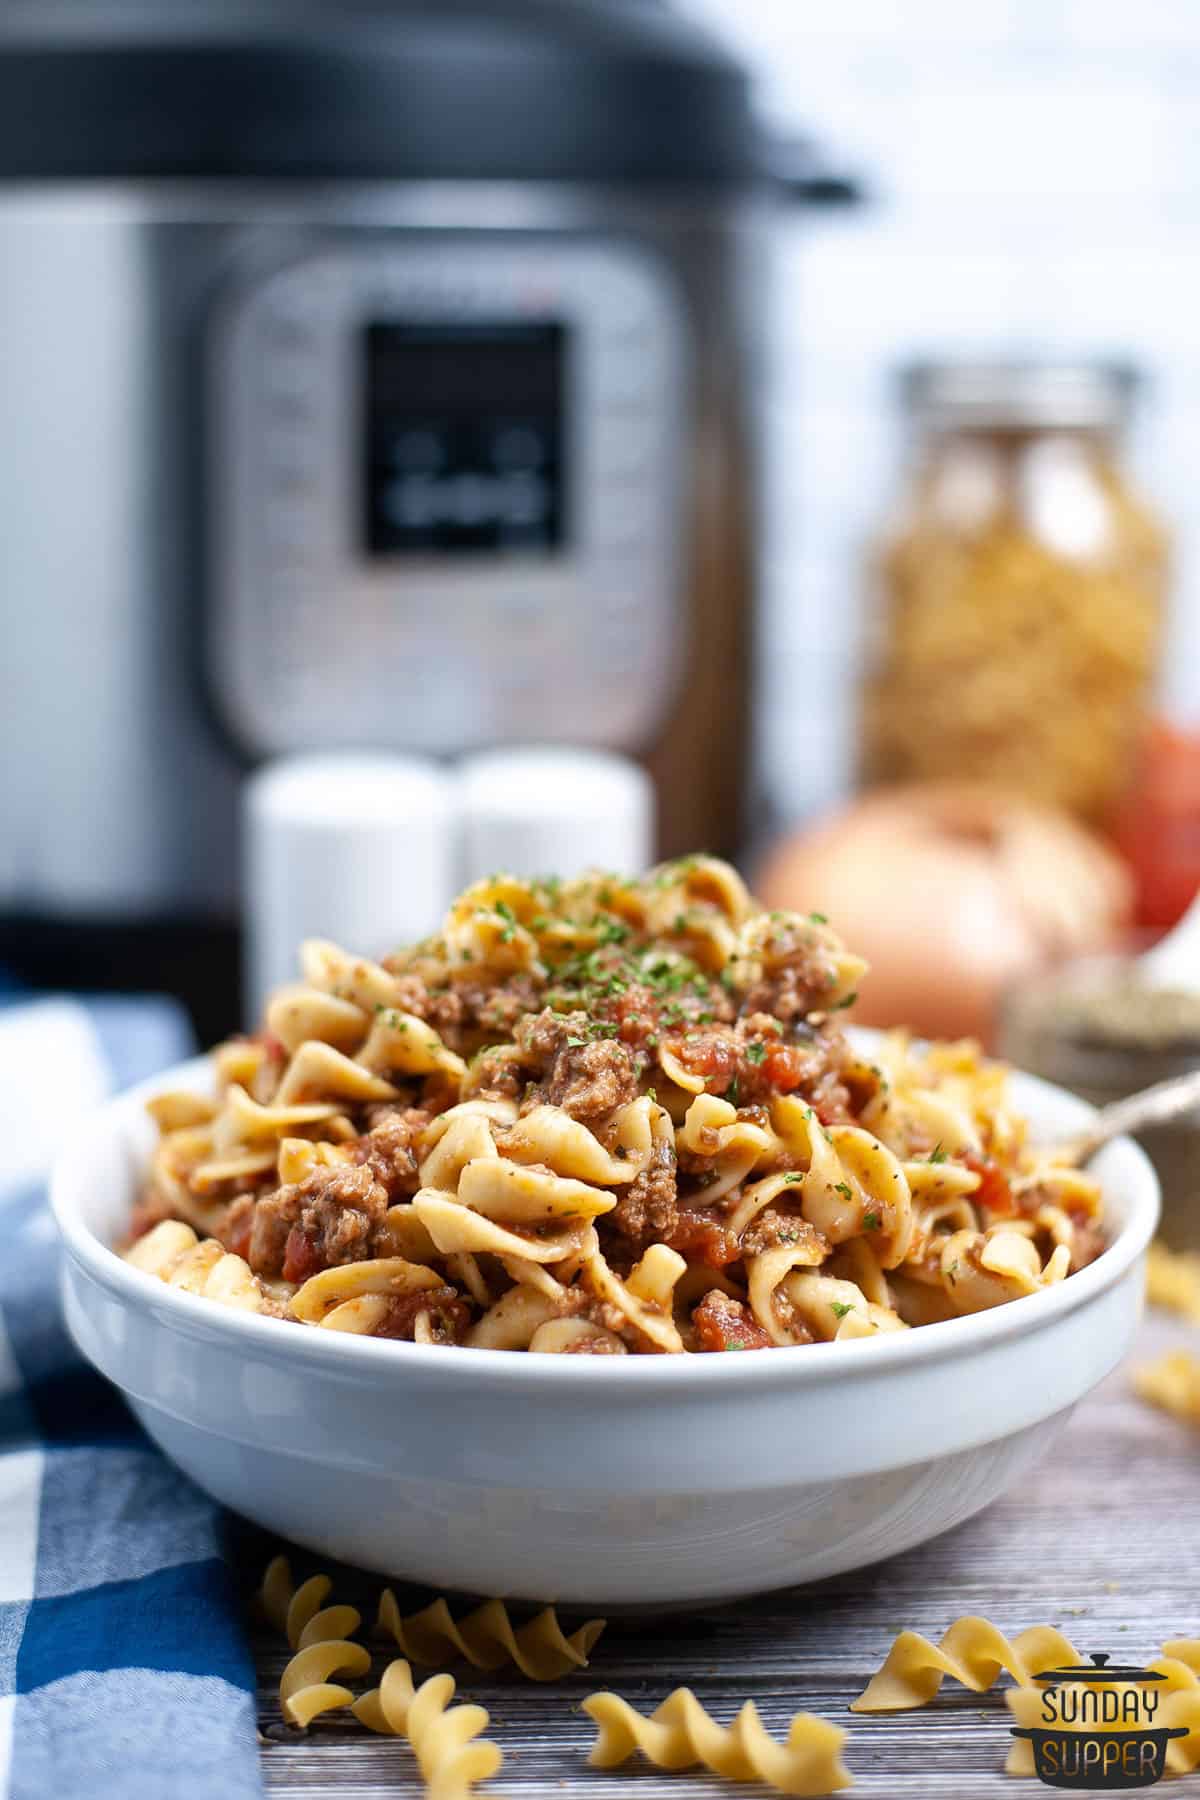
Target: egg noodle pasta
x: 603, y: 1117
x: 680, y: 1734
x: 173, y: 1252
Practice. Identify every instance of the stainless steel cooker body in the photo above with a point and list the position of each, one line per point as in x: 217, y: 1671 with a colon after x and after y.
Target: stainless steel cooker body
x: 182, y: 458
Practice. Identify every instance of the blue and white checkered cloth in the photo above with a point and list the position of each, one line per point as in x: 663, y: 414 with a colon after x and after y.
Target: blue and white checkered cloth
x: 124, y: 1674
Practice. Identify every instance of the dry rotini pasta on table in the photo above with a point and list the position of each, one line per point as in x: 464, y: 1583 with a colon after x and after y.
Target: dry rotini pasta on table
x: 603, y: 1117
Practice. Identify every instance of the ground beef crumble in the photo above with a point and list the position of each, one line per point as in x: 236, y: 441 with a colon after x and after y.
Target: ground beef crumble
x: 468, y: 1015
x: 646, y: 1210
x: 449, y: 1315
x: 327, y: 1218
x: 388, y: 1149
x: 800, y: 983
x: 586, y: 1077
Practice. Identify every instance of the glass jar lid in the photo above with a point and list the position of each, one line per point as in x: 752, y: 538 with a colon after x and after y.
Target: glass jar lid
x: 1015, y: 395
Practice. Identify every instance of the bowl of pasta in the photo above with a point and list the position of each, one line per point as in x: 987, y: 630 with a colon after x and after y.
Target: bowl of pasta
x: 441, y: 1270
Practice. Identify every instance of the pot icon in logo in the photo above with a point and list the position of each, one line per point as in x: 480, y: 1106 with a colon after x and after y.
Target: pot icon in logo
x: 1094, y: 1727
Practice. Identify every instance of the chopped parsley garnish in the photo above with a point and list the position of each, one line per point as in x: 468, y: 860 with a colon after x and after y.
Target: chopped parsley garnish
x: 843, y: 1187
x: 871, y: 1221
x: 793, y: 1175
x: 937, y: 1154
x: 733, y: 1092
x: 755, y: 1052
x: 506, y: 912
x: 840, y: 1308
x: 818, y: 918
x: 841, y: 1005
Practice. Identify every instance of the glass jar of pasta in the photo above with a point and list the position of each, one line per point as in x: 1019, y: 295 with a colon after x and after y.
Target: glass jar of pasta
x: 1019, y: 594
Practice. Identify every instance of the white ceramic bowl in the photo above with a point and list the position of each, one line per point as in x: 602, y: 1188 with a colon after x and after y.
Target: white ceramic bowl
x: 630, y: 1482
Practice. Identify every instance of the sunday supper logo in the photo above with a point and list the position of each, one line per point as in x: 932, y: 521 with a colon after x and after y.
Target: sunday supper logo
x: 1100, y: 1727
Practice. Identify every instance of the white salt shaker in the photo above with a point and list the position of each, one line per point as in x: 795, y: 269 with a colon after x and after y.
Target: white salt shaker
x: 354, y: 847
x: 544, y: 811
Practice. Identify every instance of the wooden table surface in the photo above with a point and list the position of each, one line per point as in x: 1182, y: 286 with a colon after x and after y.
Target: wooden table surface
x: 1103, y: 1541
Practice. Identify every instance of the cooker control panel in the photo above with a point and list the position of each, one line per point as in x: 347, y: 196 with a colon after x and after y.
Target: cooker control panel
x: 447, y: 497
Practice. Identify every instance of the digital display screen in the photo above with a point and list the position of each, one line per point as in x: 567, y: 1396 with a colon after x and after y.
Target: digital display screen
x: 464, y: 437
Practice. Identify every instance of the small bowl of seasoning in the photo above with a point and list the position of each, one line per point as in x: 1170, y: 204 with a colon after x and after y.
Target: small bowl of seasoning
x: 1107, y: 1027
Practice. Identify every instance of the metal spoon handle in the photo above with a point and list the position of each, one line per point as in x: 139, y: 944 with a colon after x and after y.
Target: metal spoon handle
x: 1156, y: 1105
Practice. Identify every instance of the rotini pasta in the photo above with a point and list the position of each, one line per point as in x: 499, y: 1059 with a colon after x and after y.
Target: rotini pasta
x: 606, y: 1117
x: 450, y: 1753
x: 319, y: 1637
x: 1172, y: 1382
x: 972, y: 1652
x: 305, y: 1690
x: 300, y: 1613
x: 680, y: 1733
x: 1173, y: 1280
x: 487, y: 1639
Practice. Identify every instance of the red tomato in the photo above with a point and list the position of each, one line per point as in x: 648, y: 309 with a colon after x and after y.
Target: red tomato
x: 993, y: 1190
x: 300, y: 1259
x: 783, y: 1067
x: 1158, y: 829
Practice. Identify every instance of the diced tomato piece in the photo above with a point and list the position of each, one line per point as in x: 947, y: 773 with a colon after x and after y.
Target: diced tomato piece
x: 300, y: 1259
x: 993, y: 1190
x: 239, y: 1236
x: 722, y: 1323
x: 783, y: 1067
x: 700, y: 1233
x: 711, y: 1054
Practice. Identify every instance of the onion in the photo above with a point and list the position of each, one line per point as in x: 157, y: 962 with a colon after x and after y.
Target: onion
x: 952, y: 891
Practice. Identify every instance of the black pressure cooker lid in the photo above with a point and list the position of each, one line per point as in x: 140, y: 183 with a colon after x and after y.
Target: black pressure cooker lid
x: 623, y: 90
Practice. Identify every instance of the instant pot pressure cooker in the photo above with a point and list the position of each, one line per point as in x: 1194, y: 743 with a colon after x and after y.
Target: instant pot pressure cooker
x: 372, y: 375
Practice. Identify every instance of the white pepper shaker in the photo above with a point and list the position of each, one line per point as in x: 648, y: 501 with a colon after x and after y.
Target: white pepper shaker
x: 360, y: 848
x: 546, y: 811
